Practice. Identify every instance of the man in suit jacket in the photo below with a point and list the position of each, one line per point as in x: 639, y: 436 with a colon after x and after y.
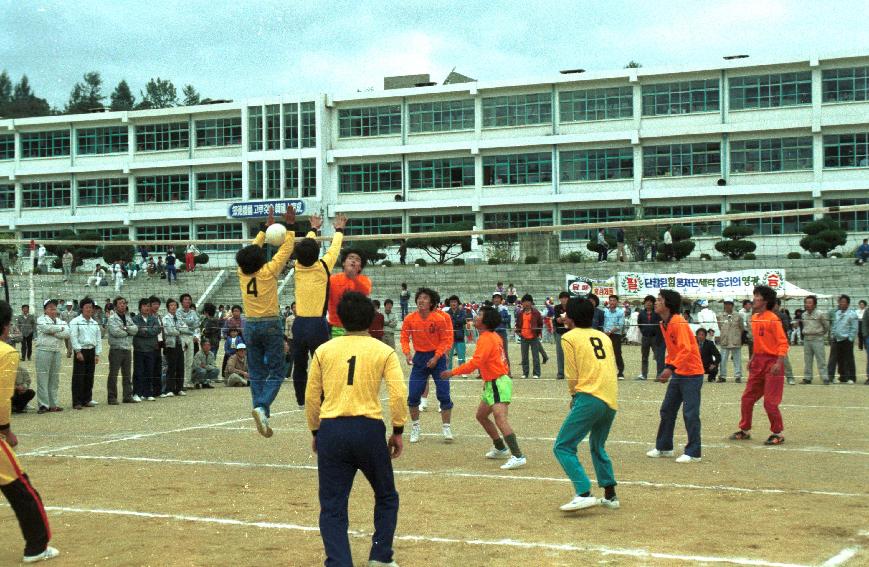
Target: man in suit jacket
x: 709, y: 355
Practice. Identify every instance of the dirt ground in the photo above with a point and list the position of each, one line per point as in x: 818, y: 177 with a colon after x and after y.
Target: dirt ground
x: 187, y: 481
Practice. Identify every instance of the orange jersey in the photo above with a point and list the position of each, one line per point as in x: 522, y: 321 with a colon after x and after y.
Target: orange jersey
x: 683, y: 354
x: 769, y: 337
x: 339, y: 284
x: 432, y: 334
x: 488, y: 358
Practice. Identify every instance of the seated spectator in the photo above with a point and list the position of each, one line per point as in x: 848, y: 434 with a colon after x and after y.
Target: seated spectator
x: 709, y: 354
x: 236, y: 368
x: 23, y: 393
x: 204, y: 366
x: 97, y: 277
x: 862, y: 253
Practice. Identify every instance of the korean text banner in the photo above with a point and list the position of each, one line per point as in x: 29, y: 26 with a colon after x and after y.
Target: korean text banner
x: 580, y: 286
x: 737, y: 284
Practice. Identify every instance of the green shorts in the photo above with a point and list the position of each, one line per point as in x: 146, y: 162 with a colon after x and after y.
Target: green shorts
x: 498, y: 391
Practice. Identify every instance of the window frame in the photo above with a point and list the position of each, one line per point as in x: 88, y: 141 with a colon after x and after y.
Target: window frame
x: 218, y: 132
x: 440, y: 170
x: 692, y: 151
x: 46, y: 194
x: 570, y: 160
x: 102, y: 140
x: 162, y: 137
x: 441, y: 116
x: 760, y: 155
x: 678, y: 98
x: 103, y: 189
x: 767, y: 89
x: 592, y: 105
x: 369, y: 121
x: 219, y: 180
x: 370, y: 176
x: 518, y: 166
x: 45, y: 144
x: 509, y: 111
x: 163, y: 186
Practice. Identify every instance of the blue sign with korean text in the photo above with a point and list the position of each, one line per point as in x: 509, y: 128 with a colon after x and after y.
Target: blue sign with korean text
x: 255, y: 209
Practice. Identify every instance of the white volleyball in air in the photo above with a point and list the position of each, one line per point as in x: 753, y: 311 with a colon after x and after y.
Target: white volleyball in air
x: 275, y: 234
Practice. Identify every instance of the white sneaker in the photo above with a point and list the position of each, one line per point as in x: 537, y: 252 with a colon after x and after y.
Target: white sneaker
x: 514, y: 463
x: 656, y: 454
x: 414, y: 433
x: 262, y: 422
x: 524, y: 377
x: 687, y: 459
x: 150, y: 398
x: 439, y: 407
x: 535, y: 377
x: 373, y: 563
x: 137, y: 399
x: 611, y: 504
x: 92, y: 404
x: 448, y: 434
x: 182, y: 393
x: 580, y: 502
x: 167, y: 395
x: 49, y: 553
x: 496, y: 454
x: 423, y: 404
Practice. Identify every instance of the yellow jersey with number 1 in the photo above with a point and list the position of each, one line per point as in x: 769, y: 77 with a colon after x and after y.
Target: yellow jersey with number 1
x: 259, y: 291
x: 590, y: 365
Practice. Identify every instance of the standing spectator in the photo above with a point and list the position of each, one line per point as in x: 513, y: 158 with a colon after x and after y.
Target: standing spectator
x: 174, y: 327
x: 234, y: 321
x: 87, y: 343
x: 652, y: 339
x: 404, y: 300
x: 66, y: 262
x: 842, y: 336
x: 376, y: 328
x: 118, y: 275
x: 497, y: 302
x: 288, y: 336
x: 602, y: 246
x: 862, y: 253
x: 53, y: 334
x: 529, y: 324
x: 204, y: 367
x: 653, y: 250
x: 709, y: 354
x: 402, y: 252
x: 512, y: 294
x: 40, y: 255
x: 68, y: 314
x: 390, y: 323
x: 613, y: 327
x: 620, y: 244
x: 796, y: 333
x: 121, y: 330
x: 861, y: 310
x: 171, y: 271
x: 747, y: 338
x: 641, y: 249
x: 785, y: 318
x: 26, y: 324
x: 598, y: 318
x: 458, y: 316
x: 730, y: 340
x: 97, y: 277
x: 189, y: 334
x: 190, y: 257
x: 146, y: 371
x: 560, y: 312
x: 161, y: 364
x: 210, y: 326
x: 816, y: 327
x: 706, y: 319
x: 864, y: 326
x: 668, y: 244
x: 143, y: 251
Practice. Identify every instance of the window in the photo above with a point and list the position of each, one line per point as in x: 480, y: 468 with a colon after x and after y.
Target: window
x: 846, y: 150
x: 778, y: 154
x: 7, y: 196
x: 254, y: 128
x: 441, y: 173
x: 291, y: 184
x: 684, y: 97
x: 112, y: 140
x: 517, y: 110
x: 309, y: 177
x: 255, y: 180
x: 369, y: 177
x: 45, y: 194
x: 856, y: 221
x: 112, y: 191
x: 597, y: 165
x: 7, y: 146
x: 846, y: 85
x: 515, y: 219
x: 163, y: 232
x: 770, y: 91
x: 434, y: 223
x: 45, y: 144
x: 291, y: 125
x: 596, y: 104
x: 162, y: 188
x: 682, y: 159
x: 158, y: 137
x: 583, y: 216
x: 218, y: 132
x: 774, y: 225
x: 273, y: 179
x: 113, y: 233
x: 206, y: 233
x: 218, y: 185
x: 273, y: 127
x: 369, y: 121
x: 441, y: 116
x: 38, y: 235
x: 677, y: 211
x: 309, y: 125
x: 364, y: 226
x: 517, y: 169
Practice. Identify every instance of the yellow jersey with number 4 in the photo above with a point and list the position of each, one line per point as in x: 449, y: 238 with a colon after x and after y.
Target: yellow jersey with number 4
x: 590, y: 365
x: 259, y: 291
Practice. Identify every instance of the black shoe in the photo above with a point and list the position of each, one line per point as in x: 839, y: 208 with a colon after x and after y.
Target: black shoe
x: 129, y: 401
x: 207, y: 387
x: 721, y: 380
x: 113, y: 402
x: 42, y: 410
x: 805, y: 381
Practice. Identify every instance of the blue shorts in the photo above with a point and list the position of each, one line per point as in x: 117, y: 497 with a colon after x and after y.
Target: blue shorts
x: 419, y: 377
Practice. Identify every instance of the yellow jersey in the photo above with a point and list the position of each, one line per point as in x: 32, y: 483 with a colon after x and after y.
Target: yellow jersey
x: 590, y: 365
x: 347, y: 372
x: 259, y: 292
x: 9, y: 465
x: 312, y: 281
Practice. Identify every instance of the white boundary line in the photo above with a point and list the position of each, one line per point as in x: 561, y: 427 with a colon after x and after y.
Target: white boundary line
x: 457, y: 474
x: 658, y: 402
x: 841, y: 557
x: 597, y: 549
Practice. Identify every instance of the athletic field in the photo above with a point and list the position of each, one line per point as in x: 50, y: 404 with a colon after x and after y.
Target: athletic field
x: 188, y: 481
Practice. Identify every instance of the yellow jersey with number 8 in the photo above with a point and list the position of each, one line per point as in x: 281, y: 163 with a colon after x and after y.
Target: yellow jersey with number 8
x: 590, y: 365
x: 259, y: 291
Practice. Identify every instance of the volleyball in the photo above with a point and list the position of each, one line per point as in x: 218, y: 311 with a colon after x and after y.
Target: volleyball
x: 275, y: 234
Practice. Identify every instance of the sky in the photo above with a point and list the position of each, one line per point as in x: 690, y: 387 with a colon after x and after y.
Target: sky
x: 245, y: 49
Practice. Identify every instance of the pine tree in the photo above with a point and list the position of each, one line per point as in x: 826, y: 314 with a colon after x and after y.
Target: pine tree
x: 159, y: 94
x: 191, y: 96
x: 5, y: 88
x: 122, y: 97
x: 24, y: 103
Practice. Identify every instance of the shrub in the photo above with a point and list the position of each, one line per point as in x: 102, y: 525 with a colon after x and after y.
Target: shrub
x: 386, y: 263
x: 705, y: 257
x: 836, y: 255
x: 735, y: 247
x: 458, y: 261
x: 682, y: 243
x: 531, y: 259
x: 494, y: 261
x: 794, y: 256
x: 749, y: 256
x: 822, y: 236
x: 200, y: 259
x: 574, y: 257
x: 420, y: 262
x: 610, y: 243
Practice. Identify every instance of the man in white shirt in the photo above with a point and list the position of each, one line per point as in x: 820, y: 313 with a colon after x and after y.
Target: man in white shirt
x: 96, y: 278
x: 87, y: 342
x: 706, y: 319
x: 189, y: 336
x: 668, y: 244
